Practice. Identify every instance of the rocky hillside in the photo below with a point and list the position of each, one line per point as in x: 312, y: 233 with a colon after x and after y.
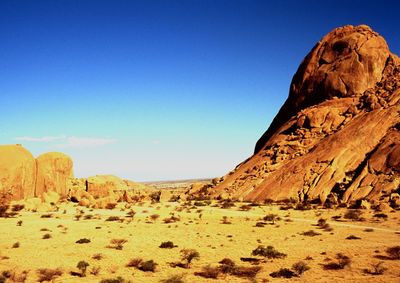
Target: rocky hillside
x: 337, y: 136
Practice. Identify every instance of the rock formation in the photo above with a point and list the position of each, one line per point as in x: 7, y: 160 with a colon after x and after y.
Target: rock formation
x: 103, y: 185
x: 17, y: 172
x: 337, y: 136
x: 54, y: 169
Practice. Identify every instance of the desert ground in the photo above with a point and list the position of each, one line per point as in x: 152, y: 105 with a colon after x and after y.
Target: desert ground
x: 209, y: 231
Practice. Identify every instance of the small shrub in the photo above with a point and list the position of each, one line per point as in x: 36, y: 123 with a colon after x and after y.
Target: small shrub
x: 134, y: 262
x: 117, y: 244
x: 246, y: 271
x: 16, y: 245
x: 154, y: 217
x: 352, y: 237
x: 119, y: 279
x: 300, y: 267
x: 268, y: 252
x: 97, y: 256
x: 245, y: 207
x: 341, y: 263
x: 189, y: 255
x: 225, y: 220
x: 393, y: 252
x: 83, y: 241
x: 17, y: 207
x: 46, y: 274
x: 82, y: 266
x: 19, y: 223
x: 310, y: 233
x: 270, y: 218
x: 114, y: 218
x: 167, y: 245
x: 376, y: 269
x: 283, y: 273
x: 111, y: 205
x: 208, y: 272
x: 173, y: 279
x: 381, y: 215
x: 354, y: 215
x: 49, y: 215
x: 146, y: 266
x: 95, y: 270
x: 171, y: 219
x: 46, y: 236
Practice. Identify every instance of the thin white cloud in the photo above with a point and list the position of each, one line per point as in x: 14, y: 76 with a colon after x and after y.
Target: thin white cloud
x: 40, y: 139
x: 156, y: 142
x: 68, y: 141
x: 85, y: 142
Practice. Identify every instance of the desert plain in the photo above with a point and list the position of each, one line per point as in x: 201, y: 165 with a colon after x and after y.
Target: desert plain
x: 213, y: 230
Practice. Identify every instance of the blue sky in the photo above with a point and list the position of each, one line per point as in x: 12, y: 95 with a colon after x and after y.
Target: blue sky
x: 156, y: 90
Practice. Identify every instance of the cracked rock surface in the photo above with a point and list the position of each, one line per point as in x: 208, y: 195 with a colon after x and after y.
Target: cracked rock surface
x: 337, y: 136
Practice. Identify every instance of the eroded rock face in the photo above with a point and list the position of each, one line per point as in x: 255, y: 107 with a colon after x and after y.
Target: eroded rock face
x: 337, y: 135
x: 17, y: 172
x: 54, y: 169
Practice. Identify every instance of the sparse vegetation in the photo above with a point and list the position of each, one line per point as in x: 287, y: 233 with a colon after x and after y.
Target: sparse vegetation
x: 46, y: 274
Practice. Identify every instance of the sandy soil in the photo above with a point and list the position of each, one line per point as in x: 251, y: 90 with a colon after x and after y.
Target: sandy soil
x: 201, y: 230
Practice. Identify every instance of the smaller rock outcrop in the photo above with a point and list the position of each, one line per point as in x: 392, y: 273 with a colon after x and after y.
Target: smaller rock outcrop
x: 54, y: 169
x: 102, y: 185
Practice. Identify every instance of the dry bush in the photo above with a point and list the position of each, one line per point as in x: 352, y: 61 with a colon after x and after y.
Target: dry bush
x: 381, y: 215
x: 114, y: 218
x: 17, y: 207
x: 134, y: 262
x: 246, y: 271
x: 310, y: 233
x: 393, y: 252
x: 245, y: 207
x: 111, y: 205
x: 154, y: 217
x: 19, y: 223
x: 352, y: 237
x: 171, y: 219
x: 46, y: 274
x: 208, y: 272
x: 82, y: 266
x: 117, y: 244
x: 300, y: 267
x: 268, y: 252
x: 341, y: 263
x: 146, y: 266
x: 15, y: 245
x: 48, y: 215
x: 354, y: 215
x: 376, y: 269
x: 225, y: 220
x: 271, y: 218
x: 95, y: 270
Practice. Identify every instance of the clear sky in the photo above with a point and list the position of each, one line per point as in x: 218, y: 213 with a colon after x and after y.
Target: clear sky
x: 155, y: 90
